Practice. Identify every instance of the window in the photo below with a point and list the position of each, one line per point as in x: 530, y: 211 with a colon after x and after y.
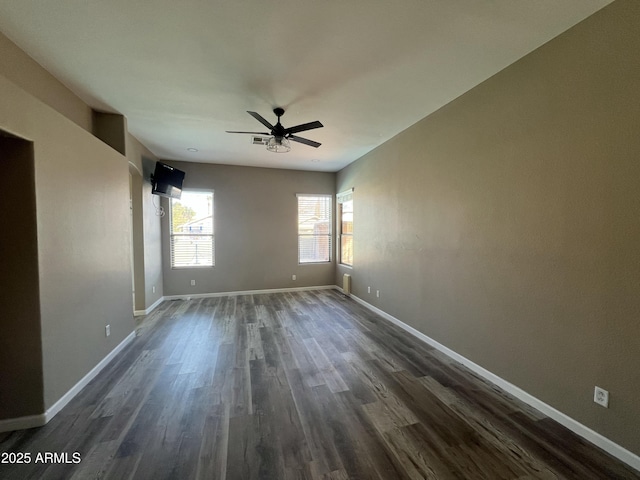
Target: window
x: 192, y: 240
x: 345, y: 227
x: 314, y: 228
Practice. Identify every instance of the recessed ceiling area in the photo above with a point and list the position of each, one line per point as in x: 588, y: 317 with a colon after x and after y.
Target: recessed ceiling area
x: 185, y: 72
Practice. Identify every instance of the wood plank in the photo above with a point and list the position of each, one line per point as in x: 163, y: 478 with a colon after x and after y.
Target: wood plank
x: 490, y: 431
x: 363, y: 451
x: 296, y: 385
x: 212, y: 457
x: 313, y: 414
x: 122, y: 468
x: 417, y: 456
x: 304, y: 362
x: 254, y: 341
x: 252, y: 452
x: 389, y: 414
x: 331, y: 376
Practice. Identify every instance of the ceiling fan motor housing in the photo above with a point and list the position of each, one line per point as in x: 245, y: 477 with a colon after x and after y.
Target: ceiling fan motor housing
x: 282, y: 135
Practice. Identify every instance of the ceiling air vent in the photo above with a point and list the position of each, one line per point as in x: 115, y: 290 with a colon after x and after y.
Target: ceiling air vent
x: 259, y: 140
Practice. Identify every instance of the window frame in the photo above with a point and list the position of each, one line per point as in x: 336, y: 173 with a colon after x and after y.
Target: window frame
x: 341, y: 198
x: 329, y: 235
x: 172, y: 235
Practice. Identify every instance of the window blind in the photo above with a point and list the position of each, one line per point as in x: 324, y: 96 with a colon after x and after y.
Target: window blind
x: 192, y: 235
x: 314, y: 228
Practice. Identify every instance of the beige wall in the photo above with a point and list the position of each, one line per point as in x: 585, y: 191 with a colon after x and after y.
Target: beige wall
x: 20, y: 336
x: 152, y: 246
x: 21, y: 69
x: 72, y: 285
x: 111, y: 128
x: 255, y: 230
x: 506, y: 225
x: 81, y: 191
x: 147, y: 237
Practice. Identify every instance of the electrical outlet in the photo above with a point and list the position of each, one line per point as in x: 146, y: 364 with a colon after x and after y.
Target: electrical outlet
x: 601, y: 397
x: 378, y: 293
x: 107, y: 330
x: 193, y: 282
x: 153, y: 289
x: 368, y: 289
x: 293, y: 277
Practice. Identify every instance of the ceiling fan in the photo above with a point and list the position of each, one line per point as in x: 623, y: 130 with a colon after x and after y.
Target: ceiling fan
x: 280, y: 136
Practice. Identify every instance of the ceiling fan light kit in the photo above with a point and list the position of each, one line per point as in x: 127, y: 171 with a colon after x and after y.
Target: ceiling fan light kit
x: 280, y: 136
x: 278, y: 145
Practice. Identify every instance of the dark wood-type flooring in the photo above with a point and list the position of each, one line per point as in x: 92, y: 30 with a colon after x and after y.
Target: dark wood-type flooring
x: 304, y: 385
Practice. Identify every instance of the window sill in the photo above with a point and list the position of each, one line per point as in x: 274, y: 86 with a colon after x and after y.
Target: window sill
x: 191, y: 267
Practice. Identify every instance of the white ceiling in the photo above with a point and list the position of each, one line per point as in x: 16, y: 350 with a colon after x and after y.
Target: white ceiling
x: 183, y: 72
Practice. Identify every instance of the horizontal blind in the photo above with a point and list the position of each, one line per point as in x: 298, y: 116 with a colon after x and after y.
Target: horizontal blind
x: 346, y: 230
x: 314, y: 228
x: 192, y: 235
x: 346, y: 249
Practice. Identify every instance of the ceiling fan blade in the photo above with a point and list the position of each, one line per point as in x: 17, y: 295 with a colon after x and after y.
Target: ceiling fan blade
x: 306, y: 141
x: 260, y: 118
x: 252, y: 133
x: 303, y: 127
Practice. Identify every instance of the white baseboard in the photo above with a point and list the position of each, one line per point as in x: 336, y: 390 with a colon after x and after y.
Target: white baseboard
x: 246, y: 292
x: 139, y: 313
x: 31, y: 421
x: 585, y: 432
